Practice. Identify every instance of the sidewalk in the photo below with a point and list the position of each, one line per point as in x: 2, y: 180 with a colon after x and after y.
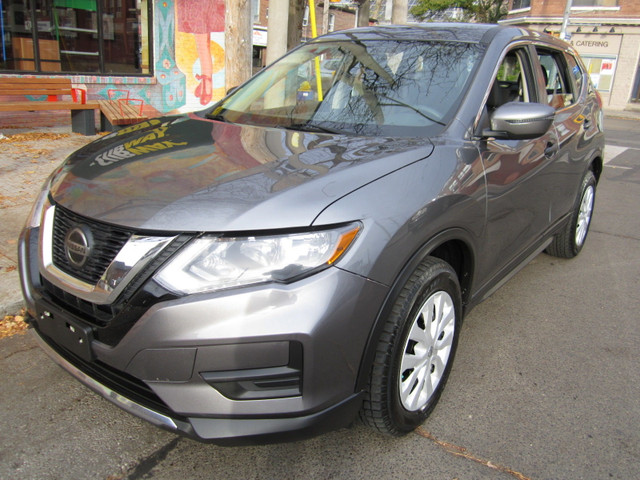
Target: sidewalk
x: 29, y: 155
x: 629, y: 114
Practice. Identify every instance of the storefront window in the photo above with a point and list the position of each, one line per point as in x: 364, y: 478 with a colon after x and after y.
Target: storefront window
x: 65, y: 36
x: 601, y: 70
x: 595, y: 3
x: 255, y: 12
x: 518, y: 4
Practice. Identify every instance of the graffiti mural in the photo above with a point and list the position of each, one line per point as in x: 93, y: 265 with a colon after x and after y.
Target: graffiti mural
x: 200, y: 49
x: 168, y: 76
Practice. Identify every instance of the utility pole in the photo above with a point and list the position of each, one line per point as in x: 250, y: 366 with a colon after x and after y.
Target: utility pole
x: 238, y: 37
x: 565, y: 20
x: 388, y: 6
x: 399, y: 12
x: 325, y: 16
x: 364, y: 12
x: 294, y: 32
x: 277, y: 29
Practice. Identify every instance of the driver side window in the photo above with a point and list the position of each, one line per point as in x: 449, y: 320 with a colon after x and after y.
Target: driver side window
x: 513, y: 83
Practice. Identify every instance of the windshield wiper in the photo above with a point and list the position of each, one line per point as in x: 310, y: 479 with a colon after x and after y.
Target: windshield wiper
x: 219, y: 117
x: 312, y: 127
x: 398, y: 103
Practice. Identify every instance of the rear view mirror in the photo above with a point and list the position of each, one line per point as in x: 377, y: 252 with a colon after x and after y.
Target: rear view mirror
x: 520, y: 121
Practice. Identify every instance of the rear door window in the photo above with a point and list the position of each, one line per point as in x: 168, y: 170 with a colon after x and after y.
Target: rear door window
x: 577, y: 74
x: 560, y: 85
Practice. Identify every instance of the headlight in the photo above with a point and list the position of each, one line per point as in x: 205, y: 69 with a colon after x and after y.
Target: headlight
x: 215, y: 263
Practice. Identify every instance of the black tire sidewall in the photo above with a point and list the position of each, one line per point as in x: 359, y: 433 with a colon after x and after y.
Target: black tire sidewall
x: 588, y: 180
x: 439, y: 277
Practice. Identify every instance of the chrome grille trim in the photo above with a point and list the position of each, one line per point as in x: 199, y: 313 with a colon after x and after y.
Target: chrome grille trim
x: 106, y: 241
x: 130, y: 260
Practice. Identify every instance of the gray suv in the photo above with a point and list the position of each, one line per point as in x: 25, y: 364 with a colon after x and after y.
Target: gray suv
x: 303, y: 252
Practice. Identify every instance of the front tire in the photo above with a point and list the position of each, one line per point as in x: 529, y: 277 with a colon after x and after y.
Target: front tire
x: 569, y: 241
x: 415, y: 351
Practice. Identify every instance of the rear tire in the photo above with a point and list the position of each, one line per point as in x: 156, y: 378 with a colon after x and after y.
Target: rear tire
x: 415, y: 350
x: 569, y: 241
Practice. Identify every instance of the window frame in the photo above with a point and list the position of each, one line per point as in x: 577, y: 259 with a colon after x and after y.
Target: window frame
x: 588, y: 60
x: 568, y: 85
x: 38, y: 61
x: 578, y: 87
x: 581, y: 4
x: 527, y: 72
x: 520, y: 6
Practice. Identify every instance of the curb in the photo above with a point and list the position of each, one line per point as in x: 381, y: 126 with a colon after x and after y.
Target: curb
x: 11, y: 307
x: 622, y: 114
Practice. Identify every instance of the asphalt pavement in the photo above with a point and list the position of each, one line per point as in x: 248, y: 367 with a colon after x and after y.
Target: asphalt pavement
x: 545, y: 384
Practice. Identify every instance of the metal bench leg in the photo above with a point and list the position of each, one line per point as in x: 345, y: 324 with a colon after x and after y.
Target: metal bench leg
x: 83, y: 122
x: 105, y: 124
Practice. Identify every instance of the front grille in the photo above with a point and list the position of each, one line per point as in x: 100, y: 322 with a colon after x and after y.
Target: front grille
x: 118, y: 381
x: 113, y: 321
x: 95, y: 314
x: 107, y: 241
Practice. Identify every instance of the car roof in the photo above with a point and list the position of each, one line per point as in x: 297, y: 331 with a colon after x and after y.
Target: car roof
x: 481, y: 33
x: 465, y: 32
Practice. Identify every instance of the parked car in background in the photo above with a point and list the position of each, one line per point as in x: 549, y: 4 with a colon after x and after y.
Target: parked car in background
x: 304, y: 252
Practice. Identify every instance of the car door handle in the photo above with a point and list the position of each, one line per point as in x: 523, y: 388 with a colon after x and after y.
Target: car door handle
x: 550, y: 150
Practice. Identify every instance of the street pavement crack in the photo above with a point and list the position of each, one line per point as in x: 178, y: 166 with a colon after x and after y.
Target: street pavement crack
x: 152, y: 461
x: 617, y: 235
x: 22, y: 350
x: 14, y: 260
x: 463, y: 452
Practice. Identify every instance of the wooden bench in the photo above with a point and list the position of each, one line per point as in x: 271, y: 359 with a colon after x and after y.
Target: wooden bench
x: 118, y: 113
x: 82, y: 112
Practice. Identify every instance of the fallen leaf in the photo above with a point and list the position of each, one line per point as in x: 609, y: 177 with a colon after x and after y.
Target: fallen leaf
x: 12, y: 325
x: 33, y: 136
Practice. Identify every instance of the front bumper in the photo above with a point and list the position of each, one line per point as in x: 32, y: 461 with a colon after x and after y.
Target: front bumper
x: 262, y: 363
x: 221, y: 430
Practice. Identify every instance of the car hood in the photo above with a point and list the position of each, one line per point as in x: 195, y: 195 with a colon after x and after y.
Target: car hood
x: 186, y: 173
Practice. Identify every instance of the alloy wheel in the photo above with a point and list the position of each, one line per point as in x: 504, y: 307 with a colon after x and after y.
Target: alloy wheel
x: 584, y: 215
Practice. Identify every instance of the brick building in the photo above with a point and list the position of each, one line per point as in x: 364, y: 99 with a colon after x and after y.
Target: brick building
x: 606, y: 33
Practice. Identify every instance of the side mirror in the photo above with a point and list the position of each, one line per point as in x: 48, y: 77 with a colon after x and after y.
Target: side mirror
x: 520, y: 121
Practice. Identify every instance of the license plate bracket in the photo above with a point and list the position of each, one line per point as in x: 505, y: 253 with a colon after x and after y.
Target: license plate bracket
x: 67, y: 333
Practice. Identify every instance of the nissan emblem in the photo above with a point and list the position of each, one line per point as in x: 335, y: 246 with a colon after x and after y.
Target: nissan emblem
x: 77, y: 246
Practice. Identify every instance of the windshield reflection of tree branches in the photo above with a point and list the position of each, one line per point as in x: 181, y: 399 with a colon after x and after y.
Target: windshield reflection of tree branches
x: 395, y: 88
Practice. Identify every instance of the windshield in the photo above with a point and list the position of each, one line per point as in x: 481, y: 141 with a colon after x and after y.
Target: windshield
x: 380, y: 87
